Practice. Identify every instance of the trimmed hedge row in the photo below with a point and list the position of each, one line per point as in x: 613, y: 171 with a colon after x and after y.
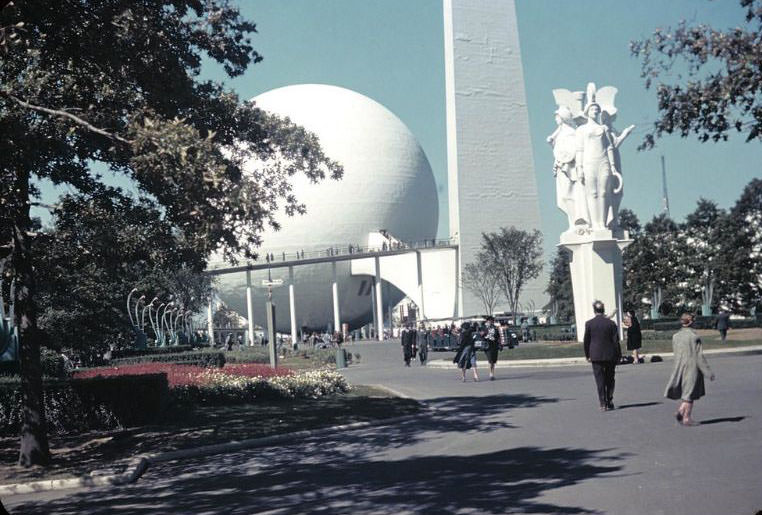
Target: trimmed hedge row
x: 77, y: 405
x: 200, y: 359
x: 704, y: 323
x: 149, y: 351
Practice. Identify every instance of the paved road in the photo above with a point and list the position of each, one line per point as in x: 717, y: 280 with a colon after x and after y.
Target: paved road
x: 531, y: 442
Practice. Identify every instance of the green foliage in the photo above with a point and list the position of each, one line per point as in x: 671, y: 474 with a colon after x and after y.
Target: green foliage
x: 53, y: 364
x: 739, y: 271
x: 716, y: 78
x: 74, y: 406
x: 99, y: 248
x: 515, y: 255
x: 118, y: 82
x: 560, y: 287
x: 211, y: 358
x: 700, y: 246
x: 650, y: 262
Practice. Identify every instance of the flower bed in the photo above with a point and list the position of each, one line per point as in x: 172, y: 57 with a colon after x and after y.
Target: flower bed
x: 217, y: 387
x: 233, y: 384
x: 182, y: 375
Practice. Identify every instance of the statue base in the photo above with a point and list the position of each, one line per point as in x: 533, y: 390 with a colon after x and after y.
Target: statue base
x: 596, y: 272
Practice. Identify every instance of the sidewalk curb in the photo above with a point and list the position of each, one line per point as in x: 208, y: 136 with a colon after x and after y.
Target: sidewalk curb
x: 562, y: 362
x: 139, y: 464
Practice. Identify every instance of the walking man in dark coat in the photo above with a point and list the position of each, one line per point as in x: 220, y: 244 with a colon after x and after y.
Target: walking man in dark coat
x: 603, y: 350
x: 408, y: 343
x: 723, y: 324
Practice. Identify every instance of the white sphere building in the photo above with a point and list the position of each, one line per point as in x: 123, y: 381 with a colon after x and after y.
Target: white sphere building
x: 387, y: 184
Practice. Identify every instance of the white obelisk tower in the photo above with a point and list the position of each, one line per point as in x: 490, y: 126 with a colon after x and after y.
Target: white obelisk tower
x: 489, y: 151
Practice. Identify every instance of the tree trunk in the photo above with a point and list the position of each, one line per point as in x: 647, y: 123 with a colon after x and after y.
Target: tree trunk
x: 34, y: 437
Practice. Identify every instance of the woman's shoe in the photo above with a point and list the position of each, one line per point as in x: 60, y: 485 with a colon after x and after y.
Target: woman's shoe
x: 679, y: 417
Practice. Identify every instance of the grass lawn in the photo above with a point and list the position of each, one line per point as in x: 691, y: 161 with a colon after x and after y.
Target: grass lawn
x: 78, y: 455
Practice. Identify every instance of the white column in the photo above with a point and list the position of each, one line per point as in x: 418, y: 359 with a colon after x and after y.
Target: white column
x: 250, y: 307
x: 210, y: 320
x: 292, y: 309
x: 596, y: 273
x: 379, y: 304
x: 420, y: 283
x: 336, y: 318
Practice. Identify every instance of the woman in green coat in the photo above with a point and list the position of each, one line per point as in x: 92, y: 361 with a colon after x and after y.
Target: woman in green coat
x: 687, y: 380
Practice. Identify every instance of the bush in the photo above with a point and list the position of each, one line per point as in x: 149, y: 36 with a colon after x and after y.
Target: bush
x: 9, y: 368
x: 52, y: 364
x: 77, y: 405
x: 198, y: 359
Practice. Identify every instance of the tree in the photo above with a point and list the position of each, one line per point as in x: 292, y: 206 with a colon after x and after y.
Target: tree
x: 118, y: 82
x: 650, y: 263
x: 560, y: 286
x: 481, y: 279
x: 99, y: 248
x: 739, y: 267
x: 717, y: 78
x: 515, y: 256
x: 628, y: 221
x: 698, y: 248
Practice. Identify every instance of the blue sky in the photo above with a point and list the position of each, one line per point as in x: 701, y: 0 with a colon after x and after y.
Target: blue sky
x: 392, y: 51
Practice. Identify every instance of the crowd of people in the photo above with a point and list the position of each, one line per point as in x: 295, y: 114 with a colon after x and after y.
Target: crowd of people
x: 471, y: 337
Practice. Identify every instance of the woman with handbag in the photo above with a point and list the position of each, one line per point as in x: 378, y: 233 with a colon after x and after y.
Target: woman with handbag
x: 465, y: 357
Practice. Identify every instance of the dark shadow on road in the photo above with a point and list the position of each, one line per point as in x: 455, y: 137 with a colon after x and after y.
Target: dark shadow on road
x: 720, y: 420
x: 639, y: 405
x: 347, y: 473
x: 506, y: 481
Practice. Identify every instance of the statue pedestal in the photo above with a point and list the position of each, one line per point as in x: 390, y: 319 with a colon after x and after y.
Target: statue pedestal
x: 596, y: 273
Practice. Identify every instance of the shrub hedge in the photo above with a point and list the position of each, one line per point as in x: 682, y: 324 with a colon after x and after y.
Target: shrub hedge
x: 198, y: 358
x: 77, y: 405
x: 52, y: 364
x: 149, y: 351
x: 706, y: 323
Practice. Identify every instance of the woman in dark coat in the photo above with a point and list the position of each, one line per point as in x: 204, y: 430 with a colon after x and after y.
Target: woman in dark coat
x: 466, y: 355
x: 634, y: 336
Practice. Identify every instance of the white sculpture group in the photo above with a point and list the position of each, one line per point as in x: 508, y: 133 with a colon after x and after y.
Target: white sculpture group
x: 587, y: 166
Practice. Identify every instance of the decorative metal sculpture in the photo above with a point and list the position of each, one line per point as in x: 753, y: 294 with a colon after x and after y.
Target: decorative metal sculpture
x: 171, y: 323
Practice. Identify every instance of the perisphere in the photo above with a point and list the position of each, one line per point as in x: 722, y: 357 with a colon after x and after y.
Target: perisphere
x: 387, y: 184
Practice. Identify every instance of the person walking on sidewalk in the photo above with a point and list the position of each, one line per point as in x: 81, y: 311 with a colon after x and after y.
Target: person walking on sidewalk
x: 466, y: 355
x: 423, y: 338
x: 722, y: 324
x: 603, y: 351
x: 686, y: 383
x: 408, y: 343
x: 492, y: 337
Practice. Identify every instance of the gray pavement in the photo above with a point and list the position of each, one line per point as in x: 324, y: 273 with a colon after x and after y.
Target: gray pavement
x: 531, y: 442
